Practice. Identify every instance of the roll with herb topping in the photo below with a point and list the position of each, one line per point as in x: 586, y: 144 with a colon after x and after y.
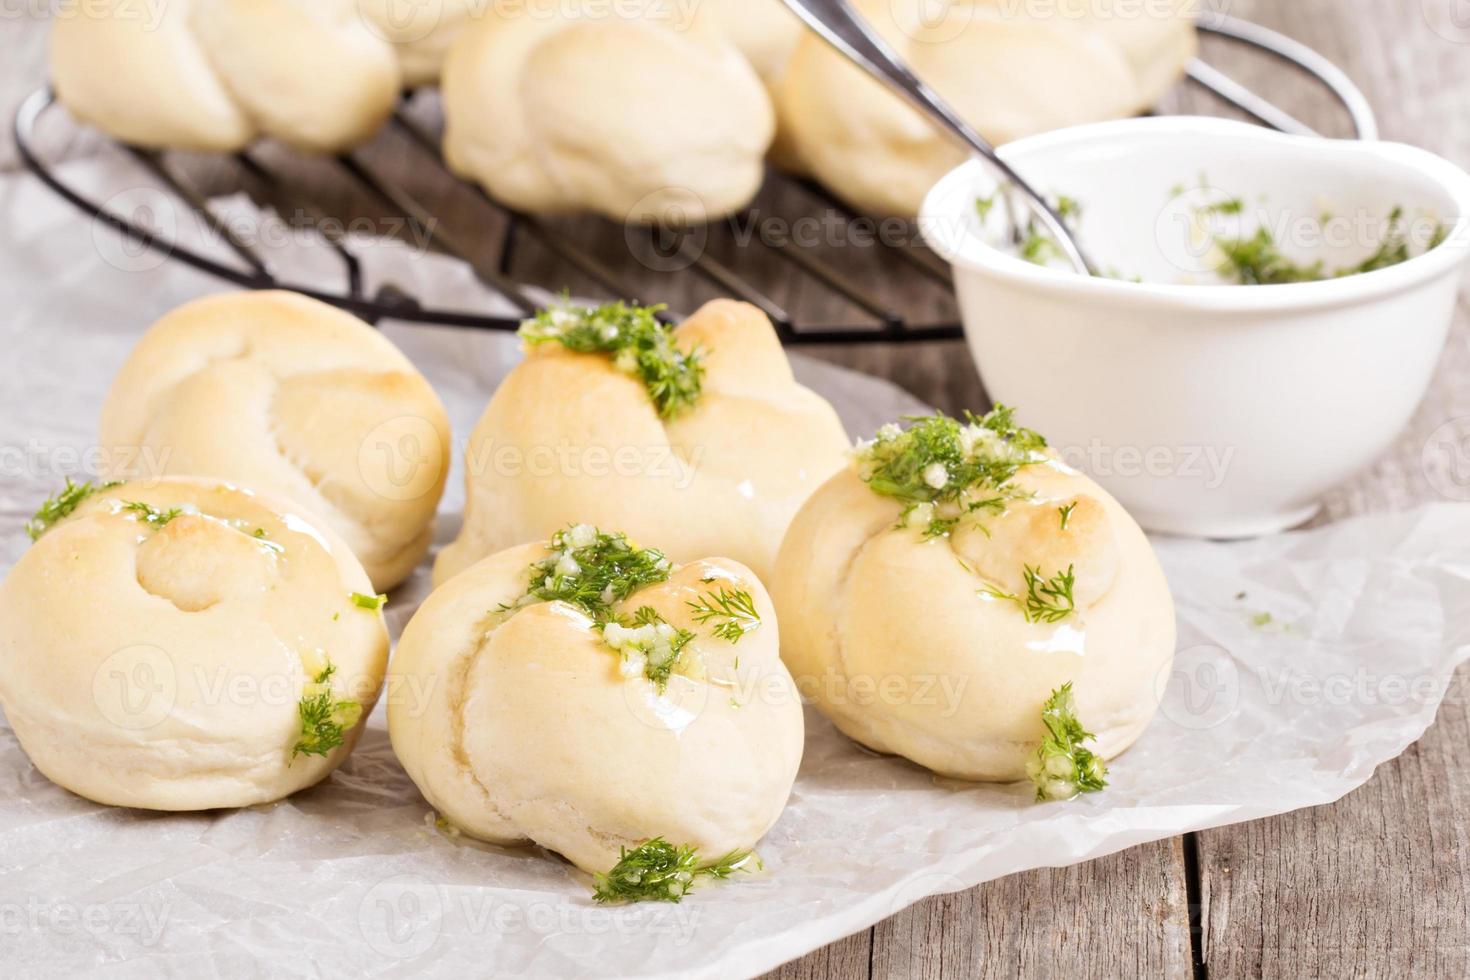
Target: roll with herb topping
x: 697, y: 436
x: 938, y: 595
x: 287, y: 395
x: 186, y: 645
x: 590, y: 695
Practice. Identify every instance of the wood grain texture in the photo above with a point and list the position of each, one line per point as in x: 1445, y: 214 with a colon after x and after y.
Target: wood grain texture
x: 1375, y: 885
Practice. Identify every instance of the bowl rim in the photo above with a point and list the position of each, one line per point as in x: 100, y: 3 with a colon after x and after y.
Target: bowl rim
x: 938, y: 213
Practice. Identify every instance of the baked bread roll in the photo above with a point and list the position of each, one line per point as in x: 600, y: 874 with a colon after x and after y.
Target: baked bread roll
x: 934, y: 595
x: 280, y: 393
x: 215, y: 74
x: 766, y: 32
x: 1009, y: 70
x: 421, y: 31
x: 569, y: 106
x: 186, y: 645
x: 588, y: 695
x: 611, y: 420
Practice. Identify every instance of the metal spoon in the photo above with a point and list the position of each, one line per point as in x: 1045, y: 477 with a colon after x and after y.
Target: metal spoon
x: 840, y: 26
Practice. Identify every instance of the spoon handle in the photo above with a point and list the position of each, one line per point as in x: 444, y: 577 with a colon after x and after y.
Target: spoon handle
x: 840, y: 26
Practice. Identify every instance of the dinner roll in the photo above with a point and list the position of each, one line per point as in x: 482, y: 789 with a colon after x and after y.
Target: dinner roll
x: 614, y: 419
x: 557, y: 107
x: 421, y: 31
x: 587, y: 695
x: 766, y: 33
x: 214, y: 75
x: 287, y: 395
x: 1010, y: 70
x: 936, y: 593
x: 185, y: 645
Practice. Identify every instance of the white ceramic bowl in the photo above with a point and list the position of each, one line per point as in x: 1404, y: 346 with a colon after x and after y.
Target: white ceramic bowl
x: 1211, y: 410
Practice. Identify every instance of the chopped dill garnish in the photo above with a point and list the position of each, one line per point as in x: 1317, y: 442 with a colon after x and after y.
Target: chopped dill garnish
x: 1049, y: 600
x: 640, y: 345
x: 1258, y: 261
x: 324, y: 718
x: 1232, y: 205
x: 1038, y: 247
x: 648, y: 644
x: 1393, y: 250
x: 944, y: 469
x: 372, y: 603
x: 58, y: 508
x: 592, y: 571
x: 734, y: 608
x: 657, y: 871
x: 1037, y: 244
x: 1066, y: 513
x: 994, y: 592
x: 151, y: 516
x: 1061, y: 767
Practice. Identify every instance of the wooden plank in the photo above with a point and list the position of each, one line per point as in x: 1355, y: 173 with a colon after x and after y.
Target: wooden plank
x: 1124, y: 915
x: 1371, y: 886
x: 843, y: 960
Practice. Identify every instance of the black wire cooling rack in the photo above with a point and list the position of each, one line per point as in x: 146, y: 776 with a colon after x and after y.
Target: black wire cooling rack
x: 680, y: 251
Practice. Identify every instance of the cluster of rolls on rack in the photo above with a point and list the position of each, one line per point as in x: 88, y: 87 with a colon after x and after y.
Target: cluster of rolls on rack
x: 650, y: 112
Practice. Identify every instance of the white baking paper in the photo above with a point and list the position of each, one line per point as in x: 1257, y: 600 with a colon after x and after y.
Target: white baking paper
x: 1305, y: 661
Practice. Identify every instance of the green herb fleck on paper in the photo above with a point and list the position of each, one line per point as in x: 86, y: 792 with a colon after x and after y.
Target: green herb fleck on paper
x: 638, y: 342
x: 1061, y: 768
x: 58, y: 508
x: 657, y: 871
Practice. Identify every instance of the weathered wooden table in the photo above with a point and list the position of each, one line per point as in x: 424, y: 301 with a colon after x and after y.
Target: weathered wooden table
x: 1375, y: 884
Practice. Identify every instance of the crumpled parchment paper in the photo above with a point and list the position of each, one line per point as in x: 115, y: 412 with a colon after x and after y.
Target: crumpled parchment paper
x: 1305, y: 660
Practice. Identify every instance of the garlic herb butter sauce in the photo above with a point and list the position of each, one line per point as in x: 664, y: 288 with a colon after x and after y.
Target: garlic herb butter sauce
x: 1241, y: 257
